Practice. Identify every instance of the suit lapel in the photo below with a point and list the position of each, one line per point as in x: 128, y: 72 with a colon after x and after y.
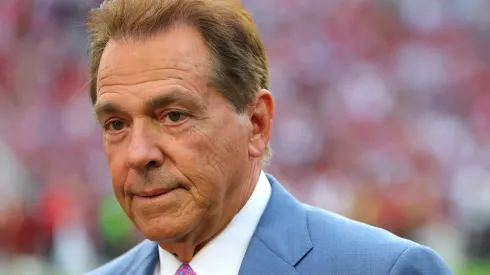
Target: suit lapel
x: 148, y: 265
x: 260, y: 260
x: 281, y: 239
x: 143, y: 262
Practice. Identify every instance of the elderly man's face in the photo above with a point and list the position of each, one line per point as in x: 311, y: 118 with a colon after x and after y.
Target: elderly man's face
x: 175, y: 147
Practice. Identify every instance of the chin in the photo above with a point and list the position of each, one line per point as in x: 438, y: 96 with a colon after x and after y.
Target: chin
x: 164, y: 231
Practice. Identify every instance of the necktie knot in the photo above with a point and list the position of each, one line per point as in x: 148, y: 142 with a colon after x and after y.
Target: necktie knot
x: 185, y: 269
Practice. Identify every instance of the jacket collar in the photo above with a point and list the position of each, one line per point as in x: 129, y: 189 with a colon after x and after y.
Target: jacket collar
x: 281, y: 239
x: 141, y: 260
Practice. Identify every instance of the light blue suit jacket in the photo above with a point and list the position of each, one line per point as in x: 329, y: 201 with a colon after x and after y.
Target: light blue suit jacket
x: 293, y: 238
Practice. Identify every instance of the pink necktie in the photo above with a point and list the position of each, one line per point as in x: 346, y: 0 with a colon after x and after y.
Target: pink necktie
x: 185, y: 269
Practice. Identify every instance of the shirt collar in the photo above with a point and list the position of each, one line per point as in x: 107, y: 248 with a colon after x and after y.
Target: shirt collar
x: 228, y: 249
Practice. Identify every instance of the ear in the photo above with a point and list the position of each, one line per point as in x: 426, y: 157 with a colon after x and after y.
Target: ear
x: 261, y: 115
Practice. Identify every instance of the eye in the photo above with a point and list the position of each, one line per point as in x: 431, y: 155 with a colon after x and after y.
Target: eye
x: 114, y: 125
x: 175, y: 117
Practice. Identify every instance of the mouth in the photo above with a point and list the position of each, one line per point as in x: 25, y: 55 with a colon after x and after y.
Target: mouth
x: 150, y: 194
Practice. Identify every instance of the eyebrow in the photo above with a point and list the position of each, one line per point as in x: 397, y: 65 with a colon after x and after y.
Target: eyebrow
x: 105, y: 108
x: 185, y: 98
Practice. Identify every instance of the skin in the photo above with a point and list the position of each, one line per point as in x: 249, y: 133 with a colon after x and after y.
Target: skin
x: 182, y: 161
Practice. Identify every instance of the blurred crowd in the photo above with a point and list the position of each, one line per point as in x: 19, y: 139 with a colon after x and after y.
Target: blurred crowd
x: 383, y: 115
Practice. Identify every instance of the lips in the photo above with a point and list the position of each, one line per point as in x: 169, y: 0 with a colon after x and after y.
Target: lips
x: 148, y: 194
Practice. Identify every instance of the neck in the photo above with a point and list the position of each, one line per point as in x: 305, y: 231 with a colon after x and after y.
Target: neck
x: 187, y: 247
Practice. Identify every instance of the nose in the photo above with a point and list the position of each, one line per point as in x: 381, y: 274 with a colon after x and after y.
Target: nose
x: 143, y: 151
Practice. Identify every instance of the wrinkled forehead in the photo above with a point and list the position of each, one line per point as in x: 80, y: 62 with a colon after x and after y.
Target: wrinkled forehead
x: 180, y: 49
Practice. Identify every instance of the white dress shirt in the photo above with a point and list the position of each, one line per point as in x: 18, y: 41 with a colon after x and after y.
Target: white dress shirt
x: 224, y: 254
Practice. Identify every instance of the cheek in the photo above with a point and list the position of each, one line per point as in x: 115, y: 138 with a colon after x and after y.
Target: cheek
x: 213, y: 158
x: 200, y: 159
x: 203, y: 169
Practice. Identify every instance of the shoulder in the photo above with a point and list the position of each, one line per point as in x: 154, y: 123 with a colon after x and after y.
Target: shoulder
x: 141, y: 256
x: 351, y: 247
x: 342, y: 231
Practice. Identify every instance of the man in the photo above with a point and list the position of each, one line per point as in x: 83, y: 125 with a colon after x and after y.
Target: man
x: 180, y: 89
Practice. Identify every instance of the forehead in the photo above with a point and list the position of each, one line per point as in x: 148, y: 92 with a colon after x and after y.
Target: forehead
x: 177, y: 51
